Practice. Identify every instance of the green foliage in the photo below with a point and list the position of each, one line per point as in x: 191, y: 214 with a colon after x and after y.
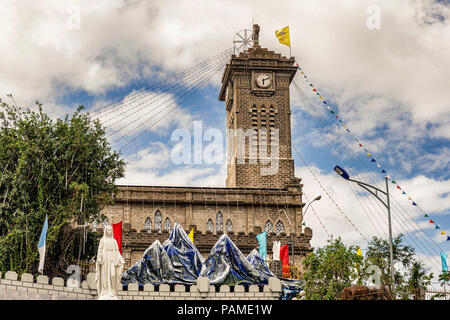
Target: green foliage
x: 64, y: 168
x: 329, y: 270
x: 410, y: 276
x: 444, y: 277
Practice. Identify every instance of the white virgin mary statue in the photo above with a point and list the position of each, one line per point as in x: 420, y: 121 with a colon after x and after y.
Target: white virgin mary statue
x: 109, y: 266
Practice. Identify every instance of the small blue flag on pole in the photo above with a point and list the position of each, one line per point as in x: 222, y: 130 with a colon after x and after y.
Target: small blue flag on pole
x: 444, y: 261
x: 262, y: 240
x: 41, y: 245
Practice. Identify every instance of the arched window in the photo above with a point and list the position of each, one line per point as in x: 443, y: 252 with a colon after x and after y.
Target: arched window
x: 105, y: 223
x: 279, y: 227
x: 148, y: 224
x: 229, y: 226
x: 219, y: 222
x: 158, y: 220
x: 210, y: 226
x: 269, y: 227
x: 167, y: 224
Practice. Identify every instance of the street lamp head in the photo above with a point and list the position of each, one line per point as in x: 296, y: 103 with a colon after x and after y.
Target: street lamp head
x: 317, y: 198
x: 341, y: 172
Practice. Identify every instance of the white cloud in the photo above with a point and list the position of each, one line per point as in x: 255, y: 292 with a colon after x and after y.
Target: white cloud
x: 368, y: 215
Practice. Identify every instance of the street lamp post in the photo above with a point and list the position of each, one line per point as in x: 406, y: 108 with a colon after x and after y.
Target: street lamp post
x: 374, y: 190
x: 315, y: 199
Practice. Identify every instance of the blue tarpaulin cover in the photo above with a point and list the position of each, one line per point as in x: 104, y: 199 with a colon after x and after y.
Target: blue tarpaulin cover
x: 178, y: 261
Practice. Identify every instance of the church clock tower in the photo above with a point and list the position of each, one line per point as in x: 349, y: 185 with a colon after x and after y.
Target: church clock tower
x: 255, y: 88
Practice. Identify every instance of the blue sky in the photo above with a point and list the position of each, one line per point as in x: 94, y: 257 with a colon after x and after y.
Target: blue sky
x: 389, y: 85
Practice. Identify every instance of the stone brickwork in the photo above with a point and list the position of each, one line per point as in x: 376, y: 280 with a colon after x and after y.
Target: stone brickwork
x: 248, y: 210
x: 261, y: 109
x: 29, y: 288
x: 40, y: 288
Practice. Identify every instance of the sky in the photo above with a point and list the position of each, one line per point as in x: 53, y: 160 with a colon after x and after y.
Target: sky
x: 382, y: 66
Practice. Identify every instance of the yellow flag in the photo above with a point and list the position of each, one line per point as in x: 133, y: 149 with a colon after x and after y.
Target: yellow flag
x: 359, y: 252
x: 442, y: 232
x: 283, y: 36
x: 191, y: 235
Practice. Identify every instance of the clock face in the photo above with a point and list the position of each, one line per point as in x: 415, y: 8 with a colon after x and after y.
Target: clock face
x: 263, y: 80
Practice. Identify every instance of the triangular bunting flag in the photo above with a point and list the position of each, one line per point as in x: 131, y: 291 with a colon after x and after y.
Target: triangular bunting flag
x: 426, y: 216
x: 398, y: 187
x: 431, y: 221
x: 414, y: 204
x: 437, y: 227
x: 442, y: 232
x: 368, y: 154
x: 393, y: 181
x: 373, y: 160
x: 314, y: 90
x: 448, y: 238
x: 383, y: 171
x: 403, y: 192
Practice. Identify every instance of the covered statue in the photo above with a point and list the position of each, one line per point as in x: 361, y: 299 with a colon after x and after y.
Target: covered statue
x: 109, y: 266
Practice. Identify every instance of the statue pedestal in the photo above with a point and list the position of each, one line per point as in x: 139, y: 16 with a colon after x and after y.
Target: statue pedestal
x: 108, y: 296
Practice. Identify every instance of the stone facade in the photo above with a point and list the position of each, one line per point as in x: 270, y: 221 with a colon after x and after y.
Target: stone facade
x: 244, y: 213
x: 252, y: 202
x: 264, y: 112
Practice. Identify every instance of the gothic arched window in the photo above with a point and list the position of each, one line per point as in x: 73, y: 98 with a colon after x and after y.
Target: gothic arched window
x: 229, y: 226
x: 158, y: 220
x: 279, y: 227
x: 219, y: 221
x: 269, y: 227
x: 148, y: 224
x: 210, y: 226
x: 167, y: 224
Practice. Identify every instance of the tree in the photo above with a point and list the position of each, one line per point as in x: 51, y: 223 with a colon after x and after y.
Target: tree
x: 330, y: 269
x: 62, y: 168
x: 417, y: 282
x: 410, y: 276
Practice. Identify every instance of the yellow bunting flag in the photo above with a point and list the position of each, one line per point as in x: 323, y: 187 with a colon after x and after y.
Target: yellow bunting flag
x: 368, y: 154
x: 442, y: 232
x: 283, y: 36
x: 191, y: 235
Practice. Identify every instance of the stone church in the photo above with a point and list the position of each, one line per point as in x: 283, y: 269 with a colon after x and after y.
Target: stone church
x: 255, y: 91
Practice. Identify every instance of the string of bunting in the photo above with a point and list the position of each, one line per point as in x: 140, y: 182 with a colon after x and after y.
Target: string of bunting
x: 368, y: 154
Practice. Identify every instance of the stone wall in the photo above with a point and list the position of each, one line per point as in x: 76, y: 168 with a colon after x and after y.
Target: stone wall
x: 27, y: 287
x: 247, y: 209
